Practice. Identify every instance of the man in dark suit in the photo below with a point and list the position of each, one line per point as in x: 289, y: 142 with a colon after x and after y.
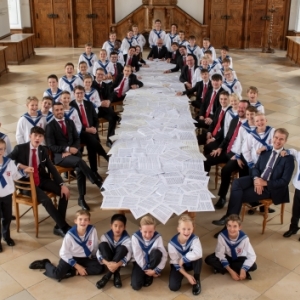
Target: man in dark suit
x: 105, y: 111
x: 123, y: 83
x: 89, y: 133
x: 269, y: 178
x: 35, y: 156
x: 174, y: 54
x: 63, y: 140
x: 118, y: 66
x: 159, y: 51
x: 210, y: 103
x: 187, y: 72
x: 131, y: 59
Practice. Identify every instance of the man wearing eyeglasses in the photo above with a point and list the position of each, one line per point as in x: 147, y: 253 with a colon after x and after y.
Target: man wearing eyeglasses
x: 159, y: 51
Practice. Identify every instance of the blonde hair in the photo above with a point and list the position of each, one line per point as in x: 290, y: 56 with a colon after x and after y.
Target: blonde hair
x: 147, y: 220
x: 259, y: 114
x: 82, y: 212
x: 31, y: 98
x: 235, y: 96
x: 103, y: 50
x: 184, y: 218
x: 253, y: 89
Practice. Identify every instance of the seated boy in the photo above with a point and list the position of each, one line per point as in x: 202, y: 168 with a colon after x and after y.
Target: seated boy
x: 128, y: 42
x: 110, y: 44
x: 114, y: 250
x: 224, y: 52
x: 83, y: 70
x: 252, y: 95
x: 182, y: 41
x: 119, y: 52
x: 77, y: 253
x: 208, y: 46
x: 88, y: 57
x: 54, y: 92
x: 6, y: 139
x: 156, y: 33
x: 226, y: 67
x: 140, y: 39
x: 185, y: 255
x: 234, y: 253
x: 192, y: 48
x: 45, y: 108
x: 214, y: 65
x: 174, y: 54
x: 106, y: 65
x: 149, y: 254
x: 171, y: 37
x: 231, y: 84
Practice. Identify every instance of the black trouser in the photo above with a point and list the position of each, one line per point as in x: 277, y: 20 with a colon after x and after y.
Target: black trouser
x: 94, y: 148
x: 115, y: 98
x: 201, y: 123
x: 138, y: 276
x: 112, y: 118
x: 231, y: 166
x: 196, y: 103
x: 215, y: 160
x: 208, y: 148
x: 82, y: 169
x: 5, y: 214
x: 110, y: 254
x: 176, y: 277
x: 235, y: 265
x: 92, y: 267
x: 296, y: 210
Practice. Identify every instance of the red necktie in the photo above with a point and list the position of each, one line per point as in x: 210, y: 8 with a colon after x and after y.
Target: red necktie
x: 236, y: 131
x: 190, y: 76
x: 121, y: 88
x: 212, y: 100
x: 204, y: 91
x: 221, y: 116
x: 129, y: 61
x: 116, y: 71
x: 36, y: 176
x: 63, y: 127
x: 83, y: 117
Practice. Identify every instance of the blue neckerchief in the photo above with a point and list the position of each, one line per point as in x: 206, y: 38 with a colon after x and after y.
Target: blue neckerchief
x: 175, y: 243
x: 130, y: 41
x: 136, y: 37
x: 257, y: 104
x: 74, y: 234
x: 6, y: 161
x: 67, y: 115
x: 110, y: 238
x: 31, y: 121
x: 69, y: 82
x: 264, y: 139
x: 203, y: 49
x: 232, y: 245
x: 49, y: 117
x: 230, y: 111
x: 158, y: 33
x: 172, y: 37
x: 103, y: 66
x: 214, y: 63
x: 230, y: 85
x: 112, y: 46
x: 88, y: 95
x: 145, y: 248
x: 191, y: 50
x: 2, y: 136
x: 247, y: 127
x: 81, y: 76
x: 222, y: 70
x: 57, y: 95
x: 88, y: 59
x: 180, y: 43
x: 220, y: 58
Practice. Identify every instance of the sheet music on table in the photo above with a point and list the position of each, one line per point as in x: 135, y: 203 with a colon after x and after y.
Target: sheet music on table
x: 155, y: 165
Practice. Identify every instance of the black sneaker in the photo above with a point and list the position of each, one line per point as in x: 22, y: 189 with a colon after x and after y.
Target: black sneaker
x: 39, y: 264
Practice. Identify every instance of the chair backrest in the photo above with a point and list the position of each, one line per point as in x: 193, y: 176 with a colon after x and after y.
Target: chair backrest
x: 29, y: 186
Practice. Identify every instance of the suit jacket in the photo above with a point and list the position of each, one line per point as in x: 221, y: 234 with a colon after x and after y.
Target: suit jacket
x: 184, y: 76
x: 280, y: 176
x: 198, y: 88
x: 21, y: 155
x: 180, y: 63
x: 224, y: 144
x: 132, y: 80
x: 119, y: 69
x: 134, y: 62
x: 170, y: 54
x: 90, y: 113
x: 103, y: 91
x: 163, y: 53
x: 206, y: 101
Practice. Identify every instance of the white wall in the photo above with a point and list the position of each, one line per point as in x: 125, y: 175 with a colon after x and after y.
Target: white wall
x: 195, y: 8
x: 294, y: 23
x: 19, y: 14
x: 125, y: 7
x: 4, y: 18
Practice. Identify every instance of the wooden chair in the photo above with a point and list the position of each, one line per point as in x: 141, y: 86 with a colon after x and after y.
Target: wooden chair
x: 102, y: 121
x: 29, y: 200
x: 266, y: 204
x: 115, y: 104
x: 219, y: 167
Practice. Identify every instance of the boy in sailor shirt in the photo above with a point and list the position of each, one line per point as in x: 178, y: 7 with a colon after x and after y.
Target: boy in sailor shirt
x: 110, y: 44
x: 89, y: 57
x: 77, y: 253
x: 207, y: 46
x: 54, y: 92
x: 231, y: 84
x: 234, y: 253
x: 252, y: 94
x: 46, y: 108
x: 156, y: 33
x: 114, y: 250
x: 149, y: 254
x: 128, y: 42
x: 140, y: 39
x: 185, y: 255
x: 6, y: 139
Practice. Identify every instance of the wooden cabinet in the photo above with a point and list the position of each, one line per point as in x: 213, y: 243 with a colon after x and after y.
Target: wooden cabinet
x: 91, y: 22
x: 3, y: 60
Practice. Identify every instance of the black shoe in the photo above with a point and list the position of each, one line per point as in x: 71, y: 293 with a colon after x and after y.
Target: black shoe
x: 119, y: 120
x: 108, y: 143
x: 262, y: 209
x: 148, y: 281
x: 220, y: 204
x: 39, y: 264
x: 83, y: 204
x: 99, y: 178
x: 251, y: 211
x: 13, y: 218
x: 248, y: 276
x: 102, y: 282
x: 59, y: 232
x: 10, y: 242
x: 66, y: 229
x: 117, y: 280
x: 290, y: 232
x: 217, y: 234
x: 196, y: 288
x: 1, y: 248
x: 220, y: 222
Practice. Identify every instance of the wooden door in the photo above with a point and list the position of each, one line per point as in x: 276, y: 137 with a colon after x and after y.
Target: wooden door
x: 44, y: 31
x: 61, y: 23
x: 218, y: 13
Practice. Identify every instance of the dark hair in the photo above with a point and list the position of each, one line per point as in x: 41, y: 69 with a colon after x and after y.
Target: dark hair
x: 204, y: 71
x: 245, y: 101
x: 225, y: 48
x: 58, y: 103
x: 226, y: 60
x: 157, y: 20
x: 87, y: 76
x: 206, y: 39
x: 217, y: 77
x: 113, y: 53
x: 224, y: 93
x: 192, y: 37
x: 82, y: 63
x: 53, y: 76
x: 174, y: 43
x: 37, y: 130
x: 48, y: 98
x: 132, y: 47
x: 182, y: 46
x: 78, y: 87
x: 65, y: 92
x: 208, y: 52
x: 69, y: 64
x: 118, y: 217
x: 251, y: 108
x: 174, y: 24
x: 233, y: 218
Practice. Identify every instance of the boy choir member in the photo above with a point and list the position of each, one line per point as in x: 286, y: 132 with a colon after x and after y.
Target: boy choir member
x: 54, y: 91
x: 88, y: 57
x: 156, y: 33
x: 140, y: 39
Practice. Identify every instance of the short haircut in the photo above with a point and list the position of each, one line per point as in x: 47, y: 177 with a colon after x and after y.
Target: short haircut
x: 57, y: 104
x: 206, y: 39
x: 87, y: 76
x: 118, y: 217
x: 48, y: 98
x: 2, y: 142
x: 113, y: 53
x: 79, y: 87
x: 192, y: 37
x: 82, y: 63
x: 174, y: 24
x: 100, y: 69
x: 147, y: 220
x: 227, y: 60
x: 128, y: 66
x: 182, y: 46
x: 111, y: 33
x: 245, y: 101
x: 259, y: 113
x: 217, y: 77
x: 157, y: 20
x: 65, y: 93
x: 208, y: 52
x: 69, y: 64
x: 225, y: 48
x: 134, y: 25
x: 52, y: 76
x: 235, y: 96
x: 204, y: 71
x: 181, y: 31
x: 282, y: 131
x: 103, y: 50
x: 82, y: 212
x: 129, y: 30
x: 119, y: 41
x: 191, y: 55
x: 184, y: 218
x: 234, y: 218
x: 251, y: 109
x: 252, y: 89
x: 225, y: 93
x: 31, y: 98
x: 131, y: 47
x: 88, y: 45
x: 174, y: 43
x: 37, y: 130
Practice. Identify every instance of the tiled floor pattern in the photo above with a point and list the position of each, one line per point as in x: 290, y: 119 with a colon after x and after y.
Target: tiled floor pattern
x: 278, y: 259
